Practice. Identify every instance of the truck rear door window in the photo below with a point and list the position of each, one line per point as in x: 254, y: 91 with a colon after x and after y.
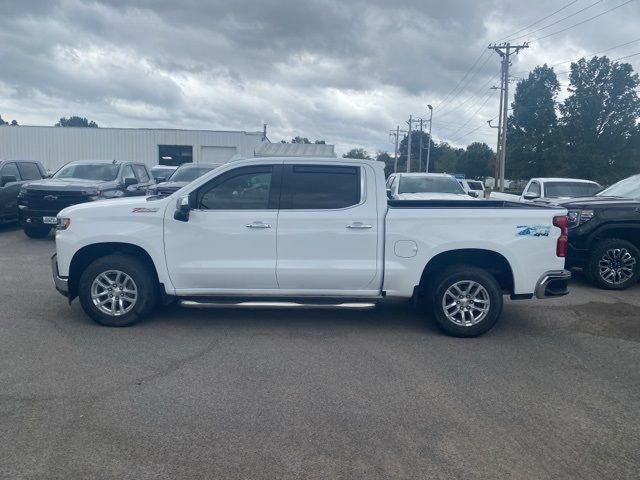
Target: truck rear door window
x: 320, y: 187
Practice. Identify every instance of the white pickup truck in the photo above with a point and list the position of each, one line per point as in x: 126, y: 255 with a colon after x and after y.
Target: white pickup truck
x: 550, y: 190
x: 307, y: 232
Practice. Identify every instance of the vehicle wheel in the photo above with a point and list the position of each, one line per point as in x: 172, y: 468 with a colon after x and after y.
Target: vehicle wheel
x: 614, y: 264
x: 466, y: 301
x: 117, y: 290
x: 36, y: 232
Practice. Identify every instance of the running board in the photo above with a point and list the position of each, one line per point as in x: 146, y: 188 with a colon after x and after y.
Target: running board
x: 212, y: 303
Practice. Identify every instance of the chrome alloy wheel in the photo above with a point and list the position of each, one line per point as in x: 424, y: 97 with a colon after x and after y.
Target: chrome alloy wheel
x: 616, y: 266
x: 114, y: 293
x: 466, y: 303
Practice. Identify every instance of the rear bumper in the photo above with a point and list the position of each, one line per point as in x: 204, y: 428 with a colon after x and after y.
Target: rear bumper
x: 554, y: 283
x: 61, y: 283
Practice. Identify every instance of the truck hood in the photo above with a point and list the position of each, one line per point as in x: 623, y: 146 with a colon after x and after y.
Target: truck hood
x: 67, y: 185
x: 433, y: 196
x: 173, y: 186
x: 116, y: 206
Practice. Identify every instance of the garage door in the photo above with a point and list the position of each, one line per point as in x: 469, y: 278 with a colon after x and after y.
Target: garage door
x: 216, y: 154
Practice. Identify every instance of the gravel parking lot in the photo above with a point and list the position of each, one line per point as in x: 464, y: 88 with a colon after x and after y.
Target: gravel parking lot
x: 552, y: 392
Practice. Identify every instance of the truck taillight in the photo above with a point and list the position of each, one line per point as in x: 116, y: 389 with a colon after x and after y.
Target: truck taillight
x: 561, y: 222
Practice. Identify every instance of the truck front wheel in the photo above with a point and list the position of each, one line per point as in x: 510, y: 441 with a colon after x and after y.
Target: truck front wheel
x: 466, y: 301
x: 614, y: 264
x: 117, y: 290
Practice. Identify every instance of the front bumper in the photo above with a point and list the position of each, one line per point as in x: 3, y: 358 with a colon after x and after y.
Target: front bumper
x: 61, y: 283
x: 554, y: 283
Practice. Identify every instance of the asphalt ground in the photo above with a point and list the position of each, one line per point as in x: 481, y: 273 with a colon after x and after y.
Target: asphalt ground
x: 552, y: 392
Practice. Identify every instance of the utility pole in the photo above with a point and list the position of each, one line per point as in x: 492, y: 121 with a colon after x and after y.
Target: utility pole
x: 420, y: 155
x: 410, y: 122
x: 396, y: 134
x: 505, y: 50
x: 429, y: 145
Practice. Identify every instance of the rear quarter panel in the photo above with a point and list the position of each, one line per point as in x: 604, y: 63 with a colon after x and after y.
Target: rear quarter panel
x: 511, y: 232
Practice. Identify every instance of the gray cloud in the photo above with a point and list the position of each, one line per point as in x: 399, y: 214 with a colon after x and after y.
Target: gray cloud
x: 343, y: 71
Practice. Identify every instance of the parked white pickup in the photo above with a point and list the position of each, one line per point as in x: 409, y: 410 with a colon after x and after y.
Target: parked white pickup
x: 550, y: 189
x: 320, y: 232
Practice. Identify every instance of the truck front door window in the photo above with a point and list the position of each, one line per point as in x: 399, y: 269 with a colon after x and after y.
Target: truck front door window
x: 248, y: 191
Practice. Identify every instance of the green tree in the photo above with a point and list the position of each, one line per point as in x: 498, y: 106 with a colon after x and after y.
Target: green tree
x: 416, y: 165
x: 300, y: 140
x: 76, y: 121
x: 357, y: 153
x: 387, y: 160
x: 3, y: 122
x: 532, y: 146
x: 476, y: 161
x: 599, y: 122
x: 446, y: 158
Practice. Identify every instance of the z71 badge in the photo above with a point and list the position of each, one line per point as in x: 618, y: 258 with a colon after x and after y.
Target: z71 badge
x: 144, y: 210
x: 533, y: 230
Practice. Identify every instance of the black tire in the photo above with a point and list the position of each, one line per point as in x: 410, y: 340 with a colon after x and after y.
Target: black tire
x: 460, y: 275
x: 36, y: 232
x: 605, y: 251
x: 145, y: 284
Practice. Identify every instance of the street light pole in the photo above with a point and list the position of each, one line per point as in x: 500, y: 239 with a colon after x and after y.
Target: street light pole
x: 429, y: 144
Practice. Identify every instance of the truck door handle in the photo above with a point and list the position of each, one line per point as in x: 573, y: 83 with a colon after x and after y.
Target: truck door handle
x: 258, y: 225
x: 359, y: 226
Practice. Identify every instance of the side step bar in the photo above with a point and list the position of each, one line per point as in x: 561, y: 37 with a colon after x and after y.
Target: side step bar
x: 299, y: 303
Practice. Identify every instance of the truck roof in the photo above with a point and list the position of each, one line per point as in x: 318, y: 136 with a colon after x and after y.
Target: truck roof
x: 558, y: 179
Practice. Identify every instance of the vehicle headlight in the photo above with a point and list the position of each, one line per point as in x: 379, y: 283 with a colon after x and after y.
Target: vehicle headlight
x: 22, y: 191
x: 578, y: 217
x: 63, y: 223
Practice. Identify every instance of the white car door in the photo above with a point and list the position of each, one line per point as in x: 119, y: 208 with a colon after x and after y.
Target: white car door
x: 328, y: 229
x: 228, y: 243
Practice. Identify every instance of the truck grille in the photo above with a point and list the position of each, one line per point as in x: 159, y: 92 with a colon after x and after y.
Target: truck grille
x: 50, y: 201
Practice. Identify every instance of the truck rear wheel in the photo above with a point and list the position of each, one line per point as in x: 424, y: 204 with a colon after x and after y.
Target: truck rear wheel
x: 36, y: 232
x: 117, y: 290
x: 614, y: 264
x: 466, y: 301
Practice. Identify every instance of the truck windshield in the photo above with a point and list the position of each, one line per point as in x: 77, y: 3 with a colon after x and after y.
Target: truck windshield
x: 429, y: 185
x: 571, y: 189
x: 188, y: 174
x: 104, y: 172
x: 627, y: 188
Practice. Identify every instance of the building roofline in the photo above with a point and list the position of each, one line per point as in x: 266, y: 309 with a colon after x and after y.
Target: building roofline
x: 246, y: 132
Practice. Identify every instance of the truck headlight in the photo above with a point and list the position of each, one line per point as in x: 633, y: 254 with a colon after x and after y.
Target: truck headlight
x: 578, y: 217
x: 63, y: 223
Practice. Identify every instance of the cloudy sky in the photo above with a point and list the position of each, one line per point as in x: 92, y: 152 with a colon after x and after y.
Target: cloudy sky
x: 343, y: 71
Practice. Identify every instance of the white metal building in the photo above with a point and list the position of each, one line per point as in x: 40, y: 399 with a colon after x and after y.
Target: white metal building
x: 55, y: 146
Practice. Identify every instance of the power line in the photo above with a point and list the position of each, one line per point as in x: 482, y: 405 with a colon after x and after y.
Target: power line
x: 582, y: 22
x: 564, y: 72
x: 474, y: 114
x: 557, y: 21
x: 587, y: 55
x: 460, y: 86
x: 461, y: 80
x: 536, y: 22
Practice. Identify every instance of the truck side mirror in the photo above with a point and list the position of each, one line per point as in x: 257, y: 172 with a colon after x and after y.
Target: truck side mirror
x: 183, y: 207
x: 7, y: 179
x: 530, y: 196
x: 473, y: 193
x: 389, y: 193
x: 161, y: 179
x: 130, y: 181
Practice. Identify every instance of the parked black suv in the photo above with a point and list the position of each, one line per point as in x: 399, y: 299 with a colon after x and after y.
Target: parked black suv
x: 13, y: 174
x: 184, y: 175
x: 604, y: 235
x: 78, y: 182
